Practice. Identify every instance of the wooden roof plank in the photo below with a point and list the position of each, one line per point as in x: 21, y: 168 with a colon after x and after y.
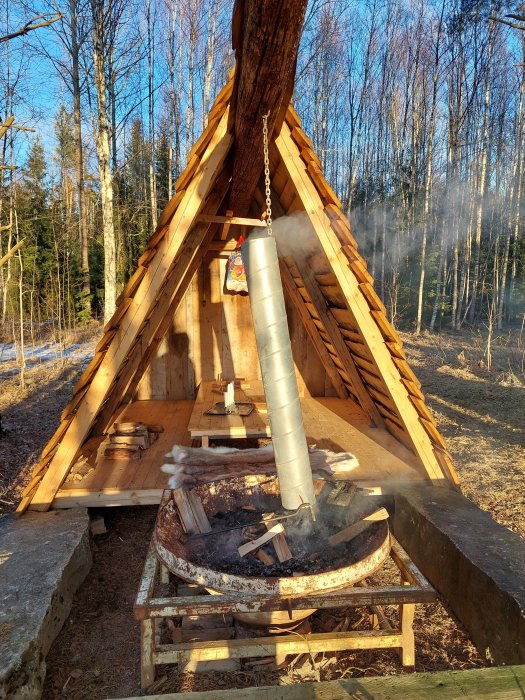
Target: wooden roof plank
x: 140, y: 305
x: 313, y: 333
x: 389, y: 374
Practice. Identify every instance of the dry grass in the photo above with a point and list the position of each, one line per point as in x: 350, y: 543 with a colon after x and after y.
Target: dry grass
x: 29, y: 416
x: 480, y: 413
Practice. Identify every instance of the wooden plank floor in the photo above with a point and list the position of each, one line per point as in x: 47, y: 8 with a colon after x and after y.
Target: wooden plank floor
x: 330, y: 423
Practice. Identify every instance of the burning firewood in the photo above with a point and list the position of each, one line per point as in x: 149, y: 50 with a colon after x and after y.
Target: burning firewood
x: 191, y: 511
x: 245, y: 549
x: 264, y: 557
x: 279, y: 542
x: 348, y: 533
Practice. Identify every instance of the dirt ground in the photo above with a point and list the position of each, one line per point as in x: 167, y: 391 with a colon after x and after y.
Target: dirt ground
x: 480, y: 412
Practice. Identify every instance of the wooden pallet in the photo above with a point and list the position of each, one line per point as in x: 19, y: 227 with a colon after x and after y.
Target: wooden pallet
x: 149, y: 609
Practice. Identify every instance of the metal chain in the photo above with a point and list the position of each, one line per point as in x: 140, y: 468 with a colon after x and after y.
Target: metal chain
x: 267, y: 175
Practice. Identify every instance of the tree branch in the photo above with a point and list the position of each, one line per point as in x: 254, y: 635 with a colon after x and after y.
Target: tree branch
x: 30, y: 26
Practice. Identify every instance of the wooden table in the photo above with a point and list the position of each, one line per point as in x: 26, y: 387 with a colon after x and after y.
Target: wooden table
x: 230, y: 426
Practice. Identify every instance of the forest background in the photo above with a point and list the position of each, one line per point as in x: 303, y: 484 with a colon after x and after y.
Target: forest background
x: 415, y: 108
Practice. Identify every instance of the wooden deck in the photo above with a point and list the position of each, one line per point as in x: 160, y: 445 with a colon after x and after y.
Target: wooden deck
x: 330, y: 423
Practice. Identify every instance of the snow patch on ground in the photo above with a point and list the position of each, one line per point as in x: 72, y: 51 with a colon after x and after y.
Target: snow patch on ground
x: 44, y: 354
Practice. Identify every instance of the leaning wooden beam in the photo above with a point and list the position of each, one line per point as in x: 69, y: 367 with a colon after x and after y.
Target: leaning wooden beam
x: 177, y: 282
x: 272, y: 532
x: 357, y: 303
x: 266, y: 37
x: 351, y: 531
x: 332, y: 330
x: 143, y: 302
x: 343, y: 353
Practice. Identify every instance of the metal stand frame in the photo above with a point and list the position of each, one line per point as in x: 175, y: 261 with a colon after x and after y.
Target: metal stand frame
x: 414, y: 589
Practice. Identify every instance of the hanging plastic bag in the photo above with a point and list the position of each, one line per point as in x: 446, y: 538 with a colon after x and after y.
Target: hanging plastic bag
x: 236, y: 274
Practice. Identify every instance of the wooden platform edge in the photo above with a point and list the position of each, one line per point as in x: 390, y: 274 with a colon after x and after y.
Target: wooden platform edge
x: 496, y: 683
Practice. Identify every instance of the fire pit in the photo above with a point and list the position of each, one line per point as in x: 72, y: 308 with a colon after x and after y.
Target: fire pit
x: 235, y: 506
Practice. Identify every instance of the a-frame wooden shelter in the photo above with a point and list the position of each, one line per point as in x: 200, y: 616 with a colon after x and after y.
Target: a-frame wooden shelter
x: 348, y: 357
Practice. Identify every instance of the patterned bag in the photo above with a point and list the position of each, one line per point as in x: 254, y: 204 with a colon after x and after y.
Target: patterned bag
x: 236, y: 274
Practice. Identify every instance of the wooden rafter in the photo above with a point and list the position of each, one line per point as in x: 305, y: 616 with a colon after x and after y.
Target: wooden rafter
x: 386, y: 370
x: 144, y: 301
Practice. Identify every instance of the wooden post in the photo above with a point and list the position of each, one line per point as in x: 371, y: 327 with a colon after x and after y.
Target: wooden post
x: 147, y: 667
x: 406, y: 620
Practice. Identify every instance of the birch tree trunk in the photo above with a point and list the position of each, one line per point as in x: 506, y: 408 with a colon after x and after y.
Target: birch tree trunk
x: 151, y: 121
x: 104, y: 167
x: 428, y: 178
x: 482, y: 175
x: 79, y: 164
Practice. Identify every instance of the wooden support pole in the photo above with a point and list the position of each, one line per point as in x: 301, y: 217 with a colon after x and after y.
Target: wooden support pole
x: 147, y: 642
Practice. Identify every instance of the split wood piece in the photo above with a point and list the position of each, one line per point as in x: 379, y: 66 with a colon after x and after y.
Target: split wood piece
x: 97, y: 525
x: 155, y: 428
x: 341, y: 626
x: 353, y: 530
x: 141, y: 441
x: 342, y: 495
x: 191, y: 511
x: 130, y: 428
x: 264, y: 557
x: 122, y: 452
x: 272, y: 532
x: 279, y: 542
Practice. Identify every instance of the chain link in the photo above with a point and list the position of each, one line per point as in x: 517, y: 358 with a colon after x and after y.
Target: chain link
x: 267, y: 175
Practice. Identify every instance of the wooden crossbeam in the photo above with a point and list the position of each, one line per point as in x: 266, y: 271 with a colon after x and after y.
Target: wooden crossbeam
x: 370, y: 332
x: 278, y: 644
x: 231, y: 221
x: 145, y: 299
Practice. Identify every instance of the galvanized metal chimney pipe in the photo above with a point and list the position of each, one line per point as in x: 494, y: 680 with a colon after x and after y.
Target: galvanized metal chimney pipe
x: 259, y: 254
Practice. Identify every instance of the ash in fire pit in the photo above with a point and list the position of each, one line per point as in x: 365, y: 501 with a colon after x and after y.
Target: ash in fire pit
x: 308, y: 542
x: 247, y: 544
